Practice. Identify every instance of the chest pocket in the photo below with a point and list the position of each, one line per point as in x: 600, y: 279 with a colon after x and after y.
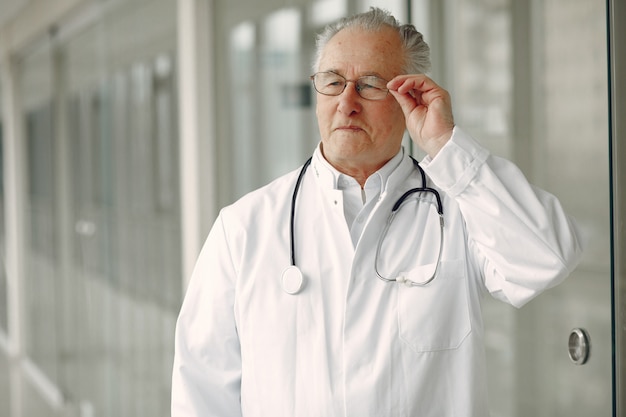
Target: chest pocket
x: 436, y: 316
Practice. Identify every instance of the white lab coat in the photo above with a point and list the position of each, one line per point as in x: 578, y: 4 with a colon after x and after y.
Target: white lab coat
x: 349, y: 344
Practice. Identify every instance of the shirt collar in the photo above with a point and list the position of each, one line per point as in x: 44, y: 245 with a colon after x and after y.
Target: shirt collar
x: 329, y: 177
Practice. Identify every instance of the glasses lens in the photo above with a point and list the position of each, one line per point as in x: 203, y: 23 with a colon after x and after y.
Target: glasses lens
x: 329, y: 83
x: 369, y: 87
x: 372, y: 88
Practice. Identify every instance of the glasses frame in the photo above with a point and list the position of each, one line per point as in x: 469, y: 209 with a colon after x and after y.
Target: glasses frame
x: 357, y: 87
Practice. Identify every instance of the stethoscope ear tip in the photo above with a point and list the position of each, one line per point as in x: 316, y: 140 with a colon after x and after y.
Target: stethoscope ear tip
x: 292, y: 280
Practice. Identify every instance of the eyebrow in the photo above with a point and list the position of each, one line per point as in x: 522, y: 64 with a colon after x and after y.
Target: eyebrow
x: 365, y: 74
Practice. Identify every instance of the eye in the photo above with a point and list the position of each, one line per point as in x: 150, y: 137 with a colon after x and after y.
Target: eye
x: 372, y: 82
x: 330, y: 80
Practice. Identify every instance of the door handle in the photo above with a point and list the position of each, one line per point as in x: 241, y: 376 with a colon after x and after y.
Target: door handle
x: 579, y: 346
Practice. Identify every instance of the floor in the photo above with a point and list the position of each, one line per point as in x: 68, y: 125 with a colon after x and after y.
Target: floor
x: 31, y: 404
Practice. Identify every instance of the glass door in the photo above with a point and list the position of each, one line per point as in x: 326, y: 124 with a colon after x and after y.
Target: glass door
x: 529, y: 80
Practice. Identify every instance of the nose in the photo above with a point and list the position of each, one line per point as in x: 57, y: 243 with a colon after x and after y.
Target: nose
x: 349, y: 99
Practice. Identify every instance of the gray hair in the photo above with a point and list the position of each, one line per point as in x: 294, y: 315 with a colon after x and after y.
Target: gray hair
x: 416, y: 50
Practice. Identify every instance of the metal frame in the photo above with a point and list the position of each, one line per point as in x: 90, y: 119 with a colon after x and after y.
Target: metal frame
x: 616, y: 33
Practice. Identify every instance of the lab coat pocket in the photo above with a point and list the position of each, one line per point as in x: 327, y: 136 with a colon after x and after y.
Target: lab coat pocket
x: 435, y: 316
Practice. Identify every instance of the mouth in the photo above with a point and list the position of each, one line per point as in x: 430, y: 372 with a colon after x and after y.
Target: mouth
x: 348, y: 128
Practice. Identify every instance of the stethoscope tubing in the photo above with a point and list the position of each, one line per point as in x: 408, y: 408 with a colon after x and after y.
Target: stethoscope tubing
x: 293, y: 275
x: 292, y: 220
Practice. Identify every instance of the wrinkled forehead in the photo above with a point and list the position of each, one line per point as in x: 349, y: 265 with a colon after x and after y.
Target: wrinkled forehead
x: 358, y: 51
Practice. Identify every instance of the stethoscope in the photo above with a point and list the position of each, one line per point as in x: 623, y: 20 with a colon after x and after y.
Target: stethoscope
x: 292, y: 278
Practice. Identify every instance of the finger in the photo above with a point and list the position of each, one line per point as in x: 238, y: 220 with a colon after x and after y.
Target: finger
x: 417, y: 85
x: 406, y: 82
x: 407, y: 102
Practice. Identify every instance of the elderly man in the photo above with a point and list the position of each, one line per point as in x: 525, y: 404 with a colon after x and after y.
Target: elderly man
x: 310, y: 298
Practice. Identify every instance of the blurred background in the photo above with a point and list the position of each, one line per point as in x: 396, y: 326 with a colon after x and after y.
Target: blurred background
x: 126, y: 124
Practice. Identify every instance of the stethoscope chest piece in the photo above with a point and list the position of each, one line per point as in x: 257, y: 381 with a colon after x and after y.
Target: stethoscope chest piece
x: 292, y: 280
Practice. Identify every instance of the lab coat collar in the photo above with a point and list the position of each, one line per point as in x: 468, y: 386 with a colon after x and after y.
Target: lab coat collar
x: 329, y: 177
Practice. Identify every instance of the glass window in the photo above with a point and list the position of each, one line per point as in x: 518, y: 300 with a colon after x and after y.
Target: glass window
x: 514, y: 71
x: 271, y: 102
x: 397, y: 7
x: 245, y: 90
x: 103, y: 263
x: 41, y: 336
x: 322, y: 12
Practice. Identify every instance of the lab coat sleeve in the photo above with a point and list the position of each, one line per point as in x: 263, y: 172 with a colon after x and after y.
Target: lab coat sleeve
x: 206, y: 377
x: 519, y: 236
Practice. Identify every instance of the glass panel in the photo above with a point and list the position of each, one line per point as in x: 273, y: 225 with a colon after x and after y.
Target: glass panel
x: 322, y: 12
x: 397, y: 7
x: 514, y: 70
x: 245, y: 92
x: 104, y: 265
x: 271, y: 106
x: 284, y: 91
x: 572, y: 128
x: 5, y: 385
x: 39, y: 287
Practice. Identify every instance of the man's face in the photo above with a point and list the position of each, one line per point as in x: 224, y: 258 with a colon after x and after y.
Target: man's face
x: 360, y: 135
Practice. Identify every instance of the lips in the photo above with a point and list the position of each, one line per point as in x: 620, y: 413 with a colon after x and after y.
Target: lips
x: 349, y: 128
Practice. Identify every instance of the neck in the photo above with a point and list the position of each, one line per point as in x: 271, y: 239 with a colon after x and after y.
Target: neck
x: 359, y: 169
x: 359, y: 172
x: 360, y: 176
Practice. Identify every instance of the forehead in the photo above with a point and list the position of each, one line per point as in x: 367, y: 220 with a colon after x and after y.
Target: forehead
x: 355, y: 51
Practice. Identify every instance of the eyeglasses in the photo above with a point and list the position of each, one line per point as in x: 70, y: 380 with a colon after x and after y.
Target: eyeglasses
x: 369, y: 87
